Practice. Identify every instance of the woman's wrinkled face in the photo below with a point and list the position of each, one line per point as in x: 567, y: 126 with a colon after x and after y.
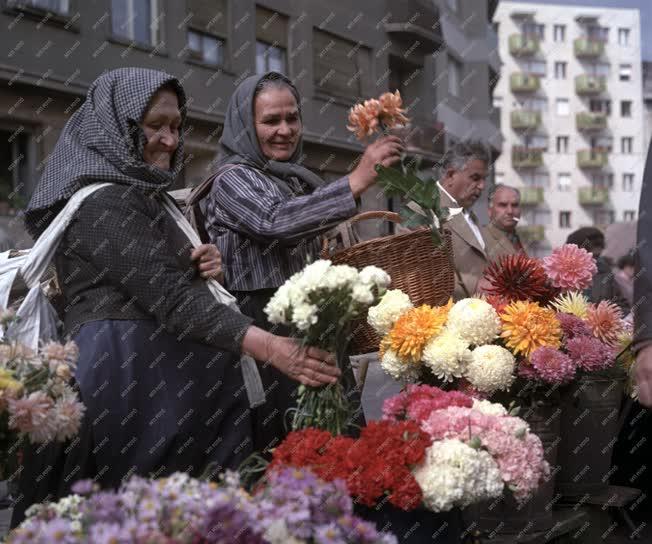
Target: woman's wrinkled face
x: 278, y: 124
x: 161, y: 125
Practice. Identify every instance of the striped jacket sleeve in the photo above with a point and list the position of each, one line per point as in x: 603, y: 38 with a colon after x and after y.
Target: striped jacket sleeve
x: 250, y: 203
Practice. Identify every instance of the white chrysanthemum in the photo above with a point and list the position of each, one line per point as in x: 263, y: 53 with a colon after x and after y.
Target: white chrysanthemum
x: 372, y: 275
x: 474, y: 320
x: 489, y: 408
x: 383, y: 316
x: 455, y: 474
x: 278, y: 307
x: 362, y: 293
x: 447, y: 356
x: 491, y: 368
x: 341, y: 275
x: 397, y: 369
x: 312, y: 277
x: 304, y: 315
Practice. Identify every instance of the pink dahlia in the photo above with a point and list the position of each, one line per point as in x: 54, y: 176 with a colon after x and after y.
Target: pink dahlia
x: 573, y: 326
x: 419, y: 401
x: 68, y: 413
x: 33, y: 415
x: 552, y: 366
x: 606, y: 321
x: 570, y: 268
x: 589, y: 353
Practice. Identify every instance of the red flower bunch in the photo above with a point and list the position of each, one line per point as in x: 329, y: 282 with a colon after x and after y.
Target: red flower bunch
x: 419, y: 401
x: 376, y: 464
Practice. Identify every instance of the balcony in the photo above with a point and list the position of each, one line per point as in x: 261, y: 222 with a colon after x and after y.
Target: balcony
x: 592, y: 158
x: 531, y: 196
x: 587, y: 85
x: 586, y: 48
x: 523, y: 157
x: 523, y: 45
x: 593, y: 196
x: 525, y: 119
x: 524, y: 83
x: 531, y: 233
x: 591, y: 121
x: 416, y: 22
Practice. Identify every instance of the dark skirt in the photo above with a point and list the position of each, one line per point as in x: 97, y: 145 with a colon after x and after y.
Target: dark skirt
x: 272, y: 420
x: 154, y: 405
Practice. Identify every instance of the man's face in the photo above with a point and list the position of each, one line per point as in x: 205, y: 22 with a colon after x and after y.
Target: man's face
x: 505, y: 209
x: 466, y: 185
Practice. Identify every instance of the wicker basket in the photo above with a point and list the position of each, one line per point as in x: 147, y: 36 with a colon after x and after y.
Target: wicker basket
x: 416, y: 267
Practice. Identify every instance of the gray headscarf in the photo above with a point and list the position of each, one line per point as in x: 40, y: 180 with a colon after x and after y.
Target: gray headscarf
x: 239, y: 143
x: 103, y: 141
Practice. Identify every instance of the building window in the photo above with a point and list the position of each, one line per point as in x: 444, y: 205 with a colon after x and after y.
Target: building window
x: 625, y: 72
x: 559, y: 33
x: 205, y: 48
x: 453, y: 4
x: 626, y: 108
x: 207, y: 31
x: 603, y: 181
x: 629, y: 215
x: 271, y: 41
x: 600, y: 106
x: 563, y: 107
x: 598, y: 33
x: 535, y: 104
x: 61, y: 7
x: 560, y: 70
x: 340, y: 65
x: 628, y: 183
x: 534, y: 29
x: 454, y: 72
x: 17, y: 154
x: 136, y: 20
x: 604, y: 217
x: 564, y: 220
x: 564, y: 182
x: 562, y: 144
x: 623, y: 36
x: 626, y: 145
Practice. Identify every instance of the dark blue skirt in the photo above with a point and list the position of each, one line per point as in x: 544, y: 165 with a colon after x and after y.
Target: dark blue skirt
x: 154, y: 405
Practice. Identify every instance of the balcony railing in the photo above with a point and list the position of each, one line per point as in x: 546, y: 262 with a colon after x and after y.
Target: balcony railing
x: 590, y: 85
x: 588, y: 48
x: 591, y: 121
x: 523, y: 157
x: 532, y: 233
x: 531, y: 196
x: 524, y: 83
x: 525, y: 119
x: 523, y: 45
x: 592, y: 158
x: 593, y: 196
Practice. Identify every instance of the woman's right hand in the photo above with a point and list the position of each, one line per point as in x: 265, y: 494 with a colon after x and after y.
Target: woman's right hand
x: 307, y: 365
x: 386, y: 150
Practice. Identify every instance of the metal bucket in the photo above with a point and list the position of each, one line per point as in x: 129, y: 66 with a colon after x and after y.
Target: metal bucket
x: 589, y: 430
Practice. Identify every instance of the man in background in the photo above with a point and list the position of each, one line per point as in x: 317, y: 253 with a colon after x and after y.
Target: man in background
x: 504, y: 214
x: 463, y: 176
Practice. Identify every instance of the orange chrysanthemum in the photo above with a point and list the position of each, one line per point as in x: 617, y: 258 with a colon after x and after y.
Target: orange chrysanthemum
x: 604, y: 319
x: 365, y: 119
x: 527, y: 326
x: 414, y: 329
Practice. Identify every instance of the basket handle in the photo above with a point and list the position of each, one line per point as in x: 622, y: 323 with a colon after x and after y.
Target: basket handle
x: 379, y: 214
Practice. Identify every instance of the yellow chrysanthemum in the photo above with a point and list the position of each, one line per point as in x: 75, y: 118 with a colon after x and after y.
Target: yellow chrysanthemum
x: 574, y: 303
x: 527, y: 326
x: 414, y: 329
x: 8, y: 383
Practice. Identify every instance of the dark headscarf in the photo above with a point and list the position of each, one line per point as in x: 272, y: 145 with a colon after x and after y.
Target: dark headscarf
x: 103, y: 142
x: 239, y: 143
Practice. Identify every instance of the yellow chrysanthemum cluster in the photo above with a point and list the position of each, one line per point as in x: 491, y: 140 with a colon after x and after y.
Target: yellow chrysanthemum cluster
x: 527, y: 326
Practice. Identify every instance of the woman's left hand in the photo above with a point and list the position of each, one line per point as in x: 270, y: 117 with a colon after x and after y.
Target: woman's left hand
x: 209, y: 261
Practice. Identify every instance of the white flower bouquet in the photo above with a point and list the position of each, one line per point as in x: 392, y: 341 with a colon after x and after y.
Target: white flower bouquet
x: 319, y: 304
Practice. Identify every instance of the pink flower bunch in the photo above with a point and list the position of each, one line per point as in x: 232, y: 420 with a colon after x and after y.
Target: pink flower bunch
x: 589, y: 353
x: 570, y: 268
x: 573, y: 326
x: 552, y: 366
x: 517, y: 452
x: 419, y: 401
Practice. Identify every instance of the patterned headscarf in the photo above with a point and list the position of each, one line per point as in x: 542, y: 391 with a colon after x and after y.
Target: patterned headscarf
x: 103, y: 141
x: 239, y: 143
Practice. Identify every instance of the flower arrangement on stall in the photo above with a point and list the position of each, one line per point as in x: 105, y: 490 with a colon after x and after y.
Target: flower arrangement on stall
x: 433, y: 448
x: 36, y: 401
x: 293, y: 506
x: 319, y: 304
x: 420, y: 197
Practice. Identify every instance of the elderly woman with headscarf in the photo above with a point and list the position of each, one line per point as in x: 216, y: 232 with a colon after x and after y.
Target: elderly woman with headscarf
x: 158, y: 367
x: 265, y: 211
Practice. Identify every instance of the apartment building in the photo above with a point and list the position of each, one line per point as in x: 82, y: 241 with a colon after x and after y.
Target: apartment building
x: 572, y: 114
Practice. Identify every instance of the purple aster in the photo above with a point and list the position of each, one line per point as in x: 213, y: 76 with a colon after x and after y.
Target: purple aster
x: 225, y: 523
x: 329, y: 534
x: 106, y: 506
x: 84, y: 487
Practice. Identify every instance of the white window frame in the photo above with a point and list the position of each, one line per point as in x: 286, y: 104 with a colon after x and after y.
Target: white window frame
x: 202, y: 36
x: 269, y: 47
x: 566, y: 224
x: 627, y: 145
x: 154, y: 34
x: 628, y: 183
x: 559, y: 33
x: 629, y: 215
x: 558, y: 103
x: 560, y: 69
x: 623, y: 36
x: 625, y: 72
x: 564, y: 182
x: 562, y: 144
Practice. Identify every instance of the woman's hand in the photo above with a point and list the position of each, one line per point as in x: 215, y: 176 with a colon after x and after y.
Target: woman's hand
x: 386, y: 151
x: 208, y: 261
x: 307, y: 365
